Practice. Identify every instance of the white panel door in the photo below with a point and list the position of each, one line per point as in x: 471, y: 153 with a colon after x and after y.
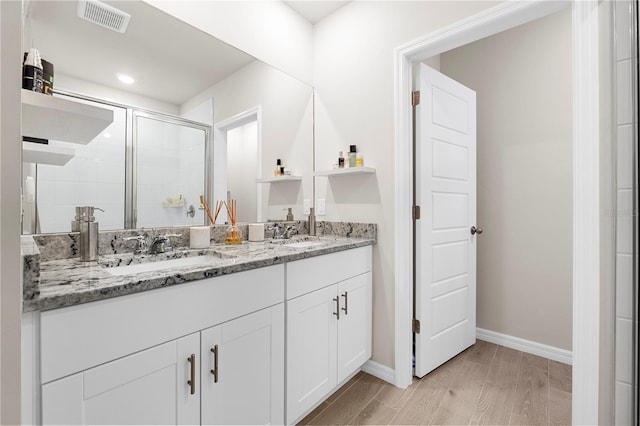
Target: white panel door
x: 243, y: 370
x: 311, y: 349
x: 354, y: 325
x: 146, y: 388
x: 446, y: 193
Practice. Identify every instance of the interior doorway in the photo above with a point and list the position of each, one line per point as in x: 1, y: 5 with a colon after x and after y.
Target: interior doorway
x: 586, y: 250
x: 238, y: 148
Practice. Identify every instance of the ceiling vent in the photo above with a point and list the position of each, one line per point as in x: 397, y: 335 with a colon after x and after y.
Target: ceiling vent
x: 104, y: 15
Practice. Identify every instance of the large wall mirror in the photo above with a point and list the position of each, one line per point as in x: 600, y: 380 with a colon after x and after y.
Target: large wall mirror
x: 201, y: 118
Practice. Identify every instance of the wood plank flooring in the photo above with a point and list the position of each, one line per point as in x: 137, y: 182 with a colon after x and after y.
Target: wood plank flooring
x: 485, y: 385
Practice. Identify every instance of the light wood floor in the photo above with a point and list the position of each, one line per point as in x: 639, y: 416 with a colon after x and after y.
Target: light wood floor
x: 486, y: 384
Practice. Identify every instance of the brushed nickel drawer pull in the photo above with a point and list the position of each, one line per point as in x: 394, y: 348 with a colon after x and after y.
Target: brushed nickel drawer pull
x: 346, y: 301
x: 214, y: 350
x: 192, y: 382
x: 337, y: 312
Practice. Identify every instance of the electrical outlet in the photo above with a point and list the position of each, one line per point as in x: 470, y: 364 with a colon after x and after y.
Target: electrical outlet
x: 306, y: 206
x: 320, y: 207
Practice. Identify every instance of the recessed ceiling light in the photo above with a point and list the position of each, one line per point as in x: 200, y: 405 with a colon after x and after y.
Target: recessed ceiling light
x: 106, y: 135
x: 126, y: 79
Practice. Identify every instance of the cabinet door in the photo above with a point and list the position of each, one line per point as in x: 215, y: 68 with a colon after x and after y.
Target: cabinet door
x: 311, y: 349
x: 149, y: 387
x: 243, y: 370
x: 354, y: 326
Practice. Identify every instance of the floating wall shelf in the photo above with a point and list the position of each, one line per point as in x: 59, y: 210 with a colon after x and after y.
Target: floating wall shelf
x: 50, y: 117
x: 279, y: 179
x: 46, y: 154
x: 346, y: 171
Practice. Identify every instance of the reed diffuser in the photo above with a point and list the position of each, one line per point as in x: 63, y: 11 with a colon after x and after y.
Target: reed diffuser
x: 233, y: 234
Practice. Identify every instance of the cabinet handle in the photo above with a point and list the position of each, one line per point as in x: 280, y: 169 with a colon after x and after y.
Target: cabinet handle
x: 214, y: 350
x: 192, y: 382
x: 346, y: 300
x: 337, y: 312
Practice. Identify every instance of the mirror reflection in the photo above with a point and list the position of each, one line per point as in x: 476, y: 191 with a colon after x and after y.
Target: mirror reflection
x: 254, y: 112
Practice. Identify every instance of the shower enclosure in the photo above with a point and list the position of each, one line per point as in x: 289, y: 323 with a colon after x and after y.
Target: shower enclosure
x: 146, y: 169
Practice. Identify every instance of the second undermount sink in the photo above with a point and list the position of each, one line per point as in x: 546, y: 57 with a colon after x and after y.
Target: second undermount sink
x: 150, y: 265
x: 304, y: 244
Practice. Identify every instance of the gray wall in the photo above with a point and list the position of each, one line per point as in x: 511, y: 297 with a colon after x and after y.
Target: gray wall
x: 523, y: 82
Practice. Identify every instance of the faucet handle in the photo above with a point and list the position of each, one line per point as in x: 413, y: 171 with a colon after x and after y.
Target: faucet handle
x: 141, y: 243
x: 171, y: 235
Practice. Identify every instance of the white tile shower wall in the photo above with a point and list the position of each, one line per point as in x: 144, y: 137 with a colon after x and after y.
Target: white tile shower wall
x: 170, y: 162
x: 624, y: 389
x: 95, y: 176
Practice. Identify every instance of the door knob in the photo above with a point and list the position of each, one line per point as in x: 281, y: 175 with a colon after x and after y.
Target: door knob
x: 475, y: 230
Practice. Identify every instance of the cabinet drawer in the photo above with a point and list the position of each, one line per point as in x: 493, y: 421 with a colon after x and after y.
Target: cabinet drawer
x: 79, y: 337
x: 307, y: 275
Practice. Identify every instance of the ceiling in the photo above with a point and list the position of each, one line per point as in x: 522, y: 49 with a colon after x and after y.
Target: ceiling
x: 170, y: 60
x: 315, y: 11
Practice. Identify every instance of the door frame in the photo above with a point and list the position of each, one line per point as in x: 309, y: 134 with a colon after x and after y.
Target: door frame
x: 586, y: 204
x: 220, y: 152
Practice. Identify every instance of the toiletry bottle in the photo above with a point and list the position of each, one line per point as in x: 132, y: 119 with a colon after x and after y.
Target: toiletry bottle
x: 32, y: 71
x: 276, y: 172
x: 289, y: 215
x: 88, y: 228
x: 340, y: 160
x: 352, y: 155
x: 359, y: 161
x: 47, y: 77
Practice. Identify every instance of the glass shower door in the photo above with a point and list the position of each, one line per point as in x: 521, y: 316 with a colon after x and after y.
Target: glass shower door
x: 169, y: 171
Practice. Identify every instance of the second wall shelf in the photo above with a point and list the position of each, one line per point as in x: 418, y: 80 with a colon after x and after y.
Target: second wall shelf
x: 346, y: 171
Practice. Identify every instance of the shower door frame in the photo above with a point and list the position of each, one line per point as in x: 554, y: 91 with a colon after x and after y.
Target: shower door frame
x: 131, y: 159
x: 132, y: 113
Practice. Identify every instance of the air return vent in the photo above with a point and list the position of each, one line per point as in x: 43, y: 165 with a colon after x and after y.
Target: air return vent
x: 103, y: 15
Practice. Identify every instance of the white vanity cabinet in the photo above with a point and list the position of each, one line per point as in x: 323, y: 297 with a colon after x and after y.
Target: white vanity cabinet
x: 328, y: 325
x: 242, y: 376
x: 149, y: 387
x: 146, y: 358
x: 238, y: 368
x: 262, y: 346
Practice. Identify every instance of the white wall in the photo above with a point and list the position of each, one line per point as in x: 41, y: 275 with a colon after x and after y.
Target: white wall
x: 354, y: 81
x: 76, y: 85
x: 626, y: 121
x: 94, y: 176
x: 242, y: 158
x: 286, y: 128
x: 10, y: 264
x: 523, y: 82
x: 269, y: 30
x: 170, y: 161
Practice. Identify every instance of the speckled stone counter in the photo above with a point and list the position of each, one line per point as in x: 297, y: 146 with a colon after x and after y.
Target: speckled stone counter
x: 52, y: 282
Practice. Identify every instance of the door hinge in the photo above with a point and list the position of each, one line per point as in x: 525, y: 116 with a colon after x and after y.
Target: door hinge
x: 415, y: 212
x: 415, y: 98
x: 416, y: 326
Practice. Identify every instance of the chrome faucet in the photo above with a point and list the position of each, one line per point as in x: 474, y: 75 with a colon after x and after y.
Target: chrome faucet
x: 162, y: 243
x: 142, y: 247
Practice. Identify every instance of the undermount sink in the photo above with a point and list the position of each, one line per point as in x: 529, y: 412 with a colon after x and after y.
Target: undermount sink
x: 158, y: 265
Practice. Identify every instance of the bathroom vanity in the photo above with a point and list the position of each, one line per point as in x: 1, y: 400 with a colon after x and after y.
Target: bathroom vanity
x: 258, y: 333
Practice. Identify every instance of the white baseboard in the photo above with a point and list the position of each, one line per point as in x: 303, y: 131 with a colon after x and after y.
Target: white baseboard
x: 380, y: 371
x: 534, y: 348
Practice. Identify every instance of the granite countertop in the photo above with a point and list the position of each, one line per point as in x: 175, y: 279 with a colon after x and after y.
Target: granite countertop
x: 67, y: 282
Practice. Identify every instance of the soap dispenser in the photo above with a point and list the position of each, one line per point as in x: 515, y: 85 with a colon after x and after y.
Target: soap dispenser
x: 88, y: 228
